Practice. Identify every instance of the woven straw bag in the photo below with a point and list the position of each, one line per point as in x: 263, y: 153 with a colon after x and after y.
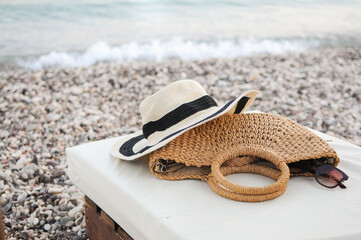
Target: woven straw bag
x: 264, y: 144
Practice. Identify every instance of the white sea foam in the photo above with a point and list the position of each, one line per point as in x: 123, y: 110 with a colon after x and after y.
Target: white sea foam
x: 160, y: 50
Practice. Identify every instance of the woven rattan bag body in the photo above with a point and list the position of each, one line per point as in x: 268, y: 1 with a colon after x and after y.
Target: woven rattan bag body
x: 264, y: 144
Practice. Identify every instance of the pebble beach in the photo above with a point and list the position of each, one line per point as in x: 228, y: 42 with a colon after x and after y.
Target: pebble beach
x: 42, y: 112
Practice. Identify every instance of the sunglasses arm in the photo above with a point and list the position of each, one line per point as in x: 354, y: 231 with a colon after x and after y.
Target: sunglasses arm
x: 339, y: 183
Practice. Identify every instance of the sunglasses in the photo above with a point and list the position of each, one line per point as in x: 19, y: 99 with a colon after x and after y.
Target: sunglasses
x: 325, y: 174
x: 330, y: 176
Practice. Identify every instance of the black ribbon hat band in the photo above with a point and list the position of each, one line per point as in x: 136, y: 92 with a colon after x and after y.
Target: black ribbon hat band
x: 179, y: 114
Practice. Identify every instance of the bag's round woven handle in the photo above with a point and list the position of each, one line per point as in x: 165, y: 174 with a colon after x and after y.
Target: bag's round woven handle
x: 228, y: 189
x: 269, y: 172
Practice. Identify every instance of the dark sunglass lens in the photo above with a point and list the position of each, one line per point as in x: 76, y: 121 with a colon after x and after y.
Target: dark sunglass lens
x: 328, y: 175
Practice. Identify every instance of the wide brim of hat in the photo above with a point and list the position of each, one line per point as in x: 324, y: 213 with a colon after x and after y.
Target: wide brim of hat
x: 135, y: 145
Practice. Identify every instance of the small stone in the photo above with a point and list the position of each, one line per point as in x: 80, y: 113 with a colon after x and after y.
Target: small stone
x: 52, y: 163
x: 6, y: 207
x: 55, y: 190
x: 48, y: 212
x: 58, y: 173
x: 63, y: 208
x: 36, y: 221
x: 69, y: 224
x: 47, y: 227
x: 76, y: 229
x: 21, y: 197
x: 24, y: 176
x: 65, y: 220
x: 75, y: 210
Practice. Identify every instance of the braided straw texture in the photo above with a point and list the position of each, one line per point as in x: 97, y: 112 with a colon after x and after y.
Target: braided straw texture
x: 229, y: 144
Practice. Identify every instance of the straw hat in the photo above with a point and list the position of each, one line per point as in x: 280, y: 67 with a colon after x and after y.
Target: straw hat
x: 176, y: 108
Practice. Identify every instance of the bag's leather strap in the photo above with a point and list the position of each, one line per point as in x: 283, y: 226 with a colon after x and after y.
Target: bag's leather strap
x: 228, y: 189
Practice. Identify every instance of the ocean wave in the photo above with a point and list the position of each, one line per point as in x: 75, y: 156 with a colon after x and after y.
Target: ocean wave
x: 159, y: 50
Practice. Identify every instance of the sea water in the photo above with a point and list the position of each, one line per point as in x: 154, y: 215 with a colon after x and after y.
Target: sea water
x: 42, y: 33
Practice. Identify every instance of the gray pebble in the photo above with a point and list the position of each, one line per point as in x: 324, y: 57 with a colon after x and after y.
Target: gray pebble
x: 75, y: 210
x: 6, y: 207
x: 65, y: 220
x: 21, y: 197
x: 69, y: 224
x: 76, y: 229
x: 47, y: 227
x: 55, y: 190
x: 24, y: 176
x: 36, y: 221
